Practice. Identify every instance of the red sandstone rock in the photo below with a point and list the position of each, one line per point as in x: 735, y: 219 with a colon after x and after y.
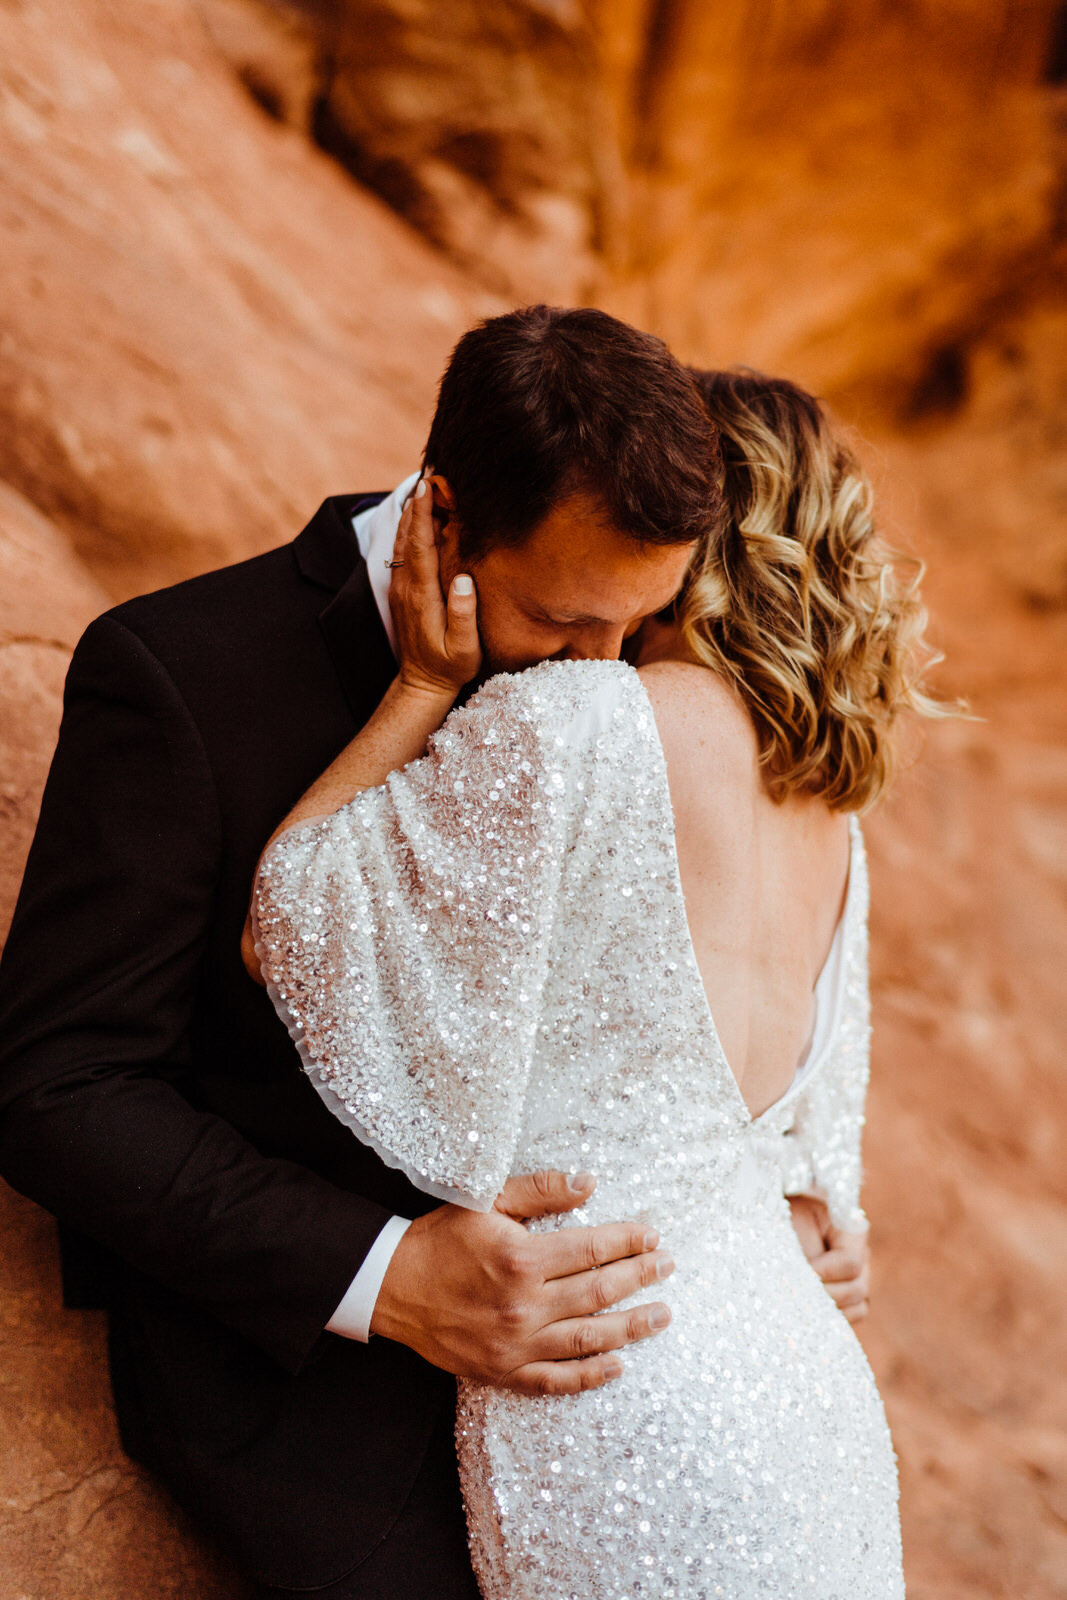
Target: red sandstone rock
x: 846, y: 188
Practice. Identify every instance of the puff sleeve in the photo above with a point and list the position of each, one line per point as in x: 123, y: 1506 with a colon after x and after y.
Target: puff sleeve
x: 404, y: 942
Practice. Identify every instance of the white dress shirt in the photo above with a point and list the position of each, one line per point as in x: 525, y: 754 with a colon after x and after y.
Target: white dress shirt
x: 375, y: 532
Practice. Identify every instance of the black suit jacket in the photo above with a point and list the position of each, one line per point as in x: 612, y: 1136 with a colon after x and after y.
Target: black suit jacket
x: 151, y: 1099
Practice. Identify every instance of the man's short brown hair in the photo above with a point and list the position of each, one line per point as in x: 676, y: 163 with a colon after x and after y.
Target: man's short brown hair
x: 543, y: 403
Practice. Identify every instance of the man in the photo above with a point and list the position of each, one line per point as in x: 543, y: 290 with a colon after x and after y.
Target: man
x: 149, y: 1096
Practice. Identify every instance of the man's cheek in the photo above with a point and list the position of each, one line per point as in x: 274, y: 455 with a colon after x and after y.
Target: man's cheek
x: 514, y: 657
x: 508, y: 645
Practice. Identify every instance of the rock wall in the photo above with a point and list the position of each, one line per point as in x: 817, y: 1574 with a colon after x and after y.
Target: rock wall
x: 851, y: 188
x: 204, y: 329
x: 206, y: 326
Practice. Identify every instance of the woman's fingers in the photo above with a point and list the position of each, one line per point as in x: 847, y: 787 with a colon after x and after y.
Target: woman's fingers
x: 437, y: 635
x: 400, y: 542
x: 462, y: 645
x: 420, y: 550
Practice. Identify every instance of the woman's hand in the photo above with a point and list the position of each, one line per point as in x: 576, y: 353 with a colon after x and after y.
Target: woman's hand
x: 437, y: 639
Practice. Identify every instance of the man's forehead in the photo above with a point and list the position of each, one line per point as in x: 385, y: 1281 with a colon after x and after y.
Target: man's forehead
x: 584, y: 589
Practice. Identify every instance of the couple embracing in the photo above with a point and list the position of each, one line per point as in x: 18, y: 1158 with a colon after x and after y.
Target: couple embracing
x: 443, y: 955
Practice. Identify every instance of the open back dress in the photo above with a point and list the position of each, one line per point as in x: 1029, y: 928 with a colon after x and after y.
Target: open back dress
x: 487, y: 968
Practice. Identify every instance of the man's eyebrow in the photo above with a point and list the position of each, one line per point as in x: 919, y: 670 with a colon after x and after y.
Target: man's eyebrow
x: 561, y: 616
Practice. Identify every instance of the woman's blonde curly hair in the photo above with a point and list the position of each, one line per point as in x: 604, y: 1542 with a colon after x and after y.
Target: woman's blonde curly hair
x: 800, y: 604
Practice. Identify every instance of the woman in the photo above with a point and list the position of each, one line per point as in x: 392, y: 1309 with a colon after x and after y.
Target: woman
x: 617, y: 919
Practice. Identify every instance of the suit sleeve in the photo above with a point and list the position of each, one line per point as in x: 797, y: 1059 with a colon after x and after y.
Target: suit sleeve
x: 96, y: 997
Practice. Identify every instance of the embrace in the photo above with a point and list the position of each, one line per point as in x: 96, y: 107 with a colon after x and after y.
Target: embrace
x: 436, y: 1009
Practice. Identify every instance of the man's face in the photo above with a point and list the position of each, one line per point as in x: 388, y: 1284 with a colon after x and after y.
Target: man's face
x: 573, y: 590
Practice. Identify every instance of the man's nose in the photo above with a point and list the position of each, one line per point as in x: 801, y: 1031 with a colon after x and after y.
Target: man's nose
x: 596, y: 644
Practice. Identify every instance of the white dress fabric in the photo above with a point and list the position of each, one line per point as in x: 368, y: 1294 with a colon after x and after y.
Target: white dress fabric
x: 487, y: 968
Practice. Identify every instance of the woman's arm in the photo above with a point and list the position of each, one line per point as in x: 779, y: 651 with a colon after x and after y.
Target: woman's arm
x: 439, y: 652
x: 395, y: 734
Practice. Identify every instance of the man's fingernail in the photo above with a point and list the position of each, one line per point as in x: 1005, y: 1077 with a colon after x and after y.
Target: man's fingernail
x: 664, y: 1267
x: 420, y: 488
x: 651, y: 1239
x: 659, y: 1319
x: 463, y: 584
x: 613, y: 1368
x: 580, y: 1180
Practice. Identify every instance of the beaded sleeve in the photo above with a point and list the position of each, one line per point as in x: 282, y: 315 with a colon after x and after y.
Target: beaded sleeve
x: 404, y: 939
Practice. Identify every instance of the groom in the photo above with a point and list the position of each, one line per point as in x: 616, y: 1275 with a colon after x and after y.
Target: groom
x: 150, y: 1098
x: 246, y: 1245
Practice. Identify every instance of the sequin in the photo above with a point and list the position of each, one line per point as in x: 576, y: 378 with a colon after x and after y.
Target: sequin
x: 498, y: 977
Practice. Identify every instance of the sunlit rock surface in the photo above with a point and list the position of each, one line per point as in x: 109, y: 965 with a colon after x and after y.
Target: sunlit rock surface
x: 853, y: 183
x: 206, y: 326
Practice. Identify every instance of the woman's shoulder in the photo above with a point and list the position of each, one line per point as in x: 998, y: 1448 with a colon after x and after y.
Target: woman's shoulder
x: 563, y: 700
x: 699, y: 715
x: 562, y: 725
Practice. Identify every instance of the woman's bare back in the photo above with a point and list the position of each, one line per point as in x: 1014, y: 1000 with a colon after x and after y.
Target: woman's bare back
x: 764, y: 883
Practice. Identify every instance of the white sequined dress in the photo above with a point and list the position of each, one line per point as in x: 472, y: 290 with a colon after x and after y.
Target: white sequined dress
x: 487, y: 968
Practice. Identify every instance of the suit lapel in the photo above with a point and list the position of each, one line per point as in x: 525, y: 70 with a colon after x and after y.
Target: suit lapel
x: 327, y: 554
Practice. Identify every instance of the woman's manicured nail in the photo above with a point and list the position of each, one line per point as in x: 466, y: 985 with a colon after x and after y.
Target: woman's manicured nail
x: 613, y: 1368
x: 420, y: 488
x: 580, y: 1180
x: 462, y: 585
x: 664, y: 1267
x: 659, y: 1319
x: 651, y: 1239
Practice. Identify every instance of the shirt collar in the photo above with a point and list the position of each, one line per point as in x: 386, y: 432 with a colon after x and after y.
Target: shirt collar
x: 375, y: 531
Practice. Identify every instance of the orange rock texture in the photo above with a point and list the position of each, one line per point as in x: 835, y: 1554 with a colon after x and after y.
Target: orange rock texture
x: 239, y: 238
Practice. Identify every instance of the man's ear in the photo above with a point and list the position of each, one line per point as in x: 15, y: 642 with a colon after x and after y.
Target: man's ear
x: 445, y: 521
x: 444, y: 501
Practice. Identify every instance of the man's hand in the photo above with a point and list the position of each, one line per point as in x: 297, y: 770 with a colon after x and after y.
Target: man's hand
x: 475, y: 1293
x: 842, y: 1260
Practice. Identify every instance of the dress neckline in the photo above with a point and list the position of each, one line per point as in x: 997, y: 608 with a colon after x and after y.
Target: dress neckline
x: 827, y: 991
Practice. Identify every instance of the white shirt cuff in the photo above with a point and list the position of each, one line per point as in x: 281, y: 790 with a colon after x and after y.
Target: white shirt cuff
x: 352, y: 1317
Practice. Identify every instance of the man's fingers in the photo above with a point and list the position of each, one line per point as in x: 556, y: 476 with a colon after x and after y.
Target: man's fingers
x: 542, y: 1194
x: 839, y: 1266
x: 579, y: 1337
x: 806, y: 1226
x: 585, y: 1293
x: 839, y: 1239
x: 856, y: 1313
x: 571, y: 1250
x: 851, y: 1293
x: 563, y: 1377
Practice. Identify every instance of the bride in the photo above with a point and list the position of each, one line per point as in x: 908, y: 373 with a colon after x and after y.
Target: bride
x: 616, y: 919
